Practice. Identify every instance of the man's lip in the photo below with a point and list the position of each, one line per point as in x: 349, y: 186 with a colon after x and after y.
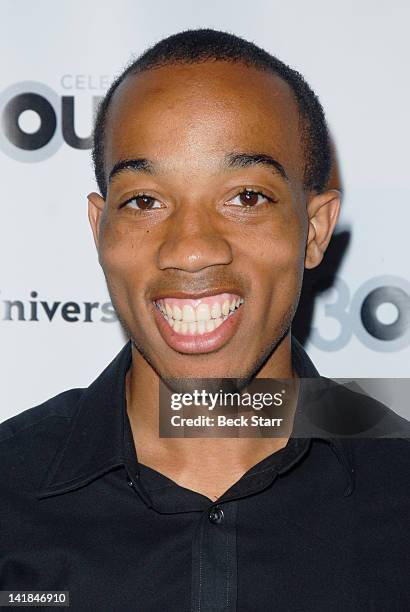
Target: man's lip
x: 197, y: 295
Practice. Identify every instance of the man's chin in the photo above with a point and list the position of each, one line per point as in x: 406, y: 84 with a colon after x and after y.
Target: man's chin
x: 211, y: 385
x: 185, y: 377
x: 184, y: 371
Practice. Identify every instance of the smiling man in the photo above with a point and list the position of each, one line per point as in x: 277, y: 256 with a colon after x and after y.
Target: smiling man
x: 212, y: 160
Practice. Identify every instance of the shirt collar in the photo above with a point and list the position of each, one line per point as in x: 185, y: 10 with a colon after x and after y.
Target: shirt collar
x: 95, y: 442
x: 99, y: 437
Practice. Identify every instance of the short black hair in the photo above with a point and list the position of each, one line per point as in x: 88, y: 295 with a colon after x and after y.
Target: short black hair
x: 196, y: 46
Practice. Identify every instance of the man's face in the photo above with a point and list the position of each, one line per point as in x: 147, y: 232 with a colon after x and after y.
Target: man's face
x: 203, y: 245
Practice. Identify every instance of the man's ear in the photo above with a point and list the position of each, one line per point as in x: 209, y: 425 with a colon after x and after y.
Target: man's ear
x: 95, y: 208
x: 323, y: 212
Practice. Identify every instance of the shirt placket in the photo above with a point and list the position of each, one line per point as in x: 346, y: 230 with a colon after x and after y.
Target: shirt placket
x: 214, y: 559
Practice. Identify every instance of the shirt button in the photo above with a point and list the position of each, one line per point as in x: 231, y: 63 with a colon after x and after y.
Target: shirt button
x: 216, y: 515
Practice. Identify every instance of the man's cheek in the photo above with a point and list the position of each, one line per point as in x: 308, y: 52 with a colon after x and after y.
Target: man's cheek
x: 282, y: 275
x: 282, y: 255
x: 124, y: 280
x: 116, y: 257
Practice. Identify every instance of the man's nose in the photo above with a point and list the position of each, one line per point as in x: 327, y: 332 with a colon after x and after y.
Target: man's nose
x: 193, y: 241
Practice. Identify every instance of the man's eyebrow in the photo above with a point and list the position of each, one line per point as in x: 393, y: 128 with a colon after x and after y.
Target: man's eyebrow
x: 141, y: 164
x: 232, y: 160
x: 242, y: 160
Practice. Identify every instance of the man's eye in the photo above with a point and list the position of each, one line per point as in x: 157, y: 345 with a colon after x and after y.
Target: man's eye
x: 142, y: 202
x: 250, y: 198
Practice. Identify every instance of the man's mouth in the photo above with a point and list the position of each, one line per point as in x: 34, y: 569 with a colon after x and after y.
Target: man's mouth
x: 198, y: 325
x: 197, y: 317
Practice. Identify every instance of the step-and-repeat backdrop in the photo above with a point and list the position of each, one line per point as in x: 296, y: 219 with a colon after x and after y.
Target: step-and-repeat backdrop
x: 57, y: 326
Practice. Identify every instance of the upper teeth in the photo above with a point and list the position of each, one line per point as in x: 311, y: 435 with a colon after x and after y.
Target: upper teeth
x: 184, y: 315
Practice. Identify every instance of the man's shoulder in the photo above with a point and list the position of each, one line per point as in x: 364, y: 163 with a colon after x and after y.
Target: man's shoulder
x: 345, y: 409
x: 60, y: 408
x: 30, y: 440
x: 381, y: 469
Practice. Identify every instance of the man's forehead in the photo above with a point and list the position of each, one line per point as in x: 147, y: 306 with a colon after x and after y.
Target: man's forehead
x: 221, y: 84
x: 202, y: 112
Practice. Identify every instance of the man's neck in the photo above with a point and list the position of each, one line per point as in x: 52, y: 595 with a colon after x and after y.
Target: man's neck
x: 195, y: 463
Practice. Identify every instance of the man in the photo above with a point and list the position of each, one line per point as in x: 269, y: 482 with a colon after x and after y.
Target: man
x: 212, y: 160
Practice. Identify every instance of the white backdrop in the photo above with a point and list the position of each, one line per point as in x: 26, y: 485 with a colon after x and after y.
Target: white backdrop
x: 355, y: 56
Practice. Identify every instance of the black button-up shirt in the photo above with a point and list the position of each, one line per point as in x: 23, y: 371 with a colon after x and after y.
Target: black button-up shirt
x: 320, y: 525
